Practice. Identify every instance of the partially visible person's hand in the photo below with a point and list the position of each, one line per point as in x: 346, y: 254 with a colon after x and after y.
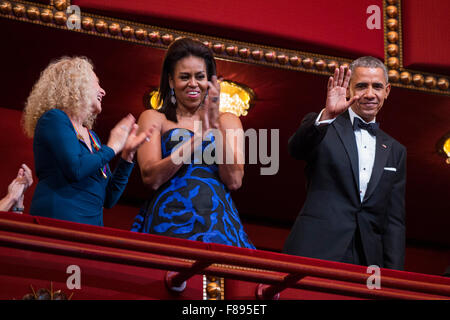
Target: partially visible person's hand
x: 336, y: 102
x: 26, y: 176
x: 119, y: 134
x: 210, y: 112
x: 16, y: 189
x: 134, y: 141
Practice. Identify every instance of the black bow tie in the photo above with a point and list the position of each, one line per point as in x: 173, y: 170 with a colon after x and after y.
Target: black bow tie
x: 370, y: 127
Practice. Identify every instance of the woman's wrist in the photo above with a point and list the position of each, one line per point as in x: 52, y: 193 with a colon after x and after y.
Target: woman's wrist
x: 17, y: 209
x: 12, y: 198
x: 128, y: 156
x: 113, y: 147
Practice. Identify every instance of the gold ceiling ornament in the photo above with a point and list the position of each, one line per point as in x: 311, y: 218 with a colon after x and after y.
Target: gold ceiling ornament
x: 234, y: 97
x: 393, y: 63
x: 393, y: 75
x: 392, y: 49
x: 430, y: 82
x: 101, y: 26
x: 60, y: 18
x: 114, y: 28
x: 320, y: 64
x: 392, y: 24
x: 88, y: 23
x: 141, y: 34
x: 33, y: 13
x: 332, y: 65
x: 46, y: 15
x: 308, y: 63
x: 295, y: 61
x: 127, y: 31
x: 405, y: 77
x: 392, y: 36
x: 392, y: 11
x: 60, y: 5
x: 19, y: 10
x: 418, y: 80
x: 5, y: 7
x: 443, y: 83
x: 167, y: 39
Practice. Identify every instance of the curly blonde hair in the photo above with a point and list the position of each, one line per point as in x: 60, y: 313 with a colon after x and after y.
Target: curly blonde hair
x: 63, y: 85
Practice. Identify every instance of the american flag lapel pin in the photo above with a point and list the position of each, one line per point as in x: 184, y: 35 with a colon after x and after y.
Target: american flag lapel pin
x: 384, y: 146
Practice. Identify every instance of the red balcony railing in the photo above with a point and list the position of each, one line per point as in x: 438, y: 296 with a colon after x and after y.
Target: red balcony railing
x: 272, y: 273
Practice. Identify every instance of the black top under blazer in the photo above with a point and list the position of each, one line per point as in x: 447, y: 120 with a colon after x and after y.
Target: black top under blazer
x: 332, y: 210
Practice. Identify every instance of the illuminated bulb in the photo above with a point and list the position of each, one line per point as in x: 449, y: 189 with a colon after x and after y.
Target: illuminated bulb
x: 446, y: 149
x: 154, y: 99
x: 234, y: 98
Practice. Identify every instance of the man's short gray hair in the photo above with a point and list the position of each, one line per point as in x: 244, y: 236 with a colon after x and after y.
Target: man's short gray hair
x: 369, y: 62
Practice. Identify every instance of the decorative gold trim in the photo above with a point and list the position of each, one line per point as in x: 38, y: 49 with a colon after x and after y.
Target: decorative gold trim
x: 60, y: 5
x: 393, y: 53
x: 213, y: 288
x: 158, y: 37
x: 231, y: 50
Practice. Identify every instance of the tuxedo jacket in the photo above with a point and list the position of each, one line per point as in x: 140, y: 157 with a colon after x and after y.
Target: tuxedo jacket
x: 333, y: 210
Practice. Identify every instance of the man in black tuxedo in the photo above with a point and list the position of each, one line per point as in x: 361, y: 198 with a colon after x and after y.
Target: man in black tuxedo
x: 354, y: 210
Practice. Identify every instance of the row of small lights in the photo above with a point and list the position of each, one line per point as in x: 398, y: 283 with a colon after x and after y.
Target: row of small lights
x: 319, y: 65
x: 393, y: 51
x: 115, y: 29
x: 405, y: 77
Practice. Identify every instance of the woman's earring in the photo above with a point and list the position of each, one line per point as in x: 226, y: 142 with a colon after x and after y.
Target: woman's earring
x: 172, y: 97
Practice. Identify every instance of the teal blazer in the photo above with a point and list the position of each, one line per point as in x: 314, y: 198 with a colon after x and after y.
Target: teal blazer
x: 71, y: 185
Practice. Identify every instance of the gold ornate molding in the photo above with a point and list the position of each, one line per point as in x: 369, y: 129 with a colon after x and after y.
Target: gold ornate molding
x: 55, y: 16
x: 60, y: 5
x: 161, y: 38
x: 393, y: 52
x: 213, y: 288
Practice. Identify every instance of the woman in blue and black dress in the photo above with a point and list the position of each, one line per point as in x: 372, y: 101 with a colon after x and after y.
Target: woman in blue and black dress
x: 192, y: 186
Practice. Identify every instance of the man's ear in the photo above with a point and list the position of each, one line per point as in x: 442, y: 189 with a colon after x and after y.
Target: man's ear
x: 388, y: 90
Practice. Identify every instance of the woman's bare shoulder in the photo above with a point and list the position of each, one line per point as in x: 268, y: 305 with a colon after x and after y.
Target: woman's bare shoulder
x: 229, y: 120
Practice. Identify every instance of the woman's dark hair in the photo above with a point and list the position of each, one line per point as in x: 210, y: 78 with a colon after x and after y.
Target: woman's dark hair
x: 179, y: 49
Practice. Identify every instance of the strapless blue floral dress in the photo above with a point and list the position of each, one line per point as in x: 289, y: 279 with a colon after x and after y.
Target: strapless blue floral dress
x: 194, y: 204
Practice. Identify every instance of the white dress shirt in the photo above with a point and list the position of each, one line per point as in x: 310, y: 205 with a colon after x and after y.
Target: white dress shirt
x: 365, y: 144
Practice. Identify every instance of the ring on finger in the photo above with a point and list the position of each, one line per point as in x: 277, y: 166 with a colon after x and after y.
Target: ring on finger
x: 215, y: 99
